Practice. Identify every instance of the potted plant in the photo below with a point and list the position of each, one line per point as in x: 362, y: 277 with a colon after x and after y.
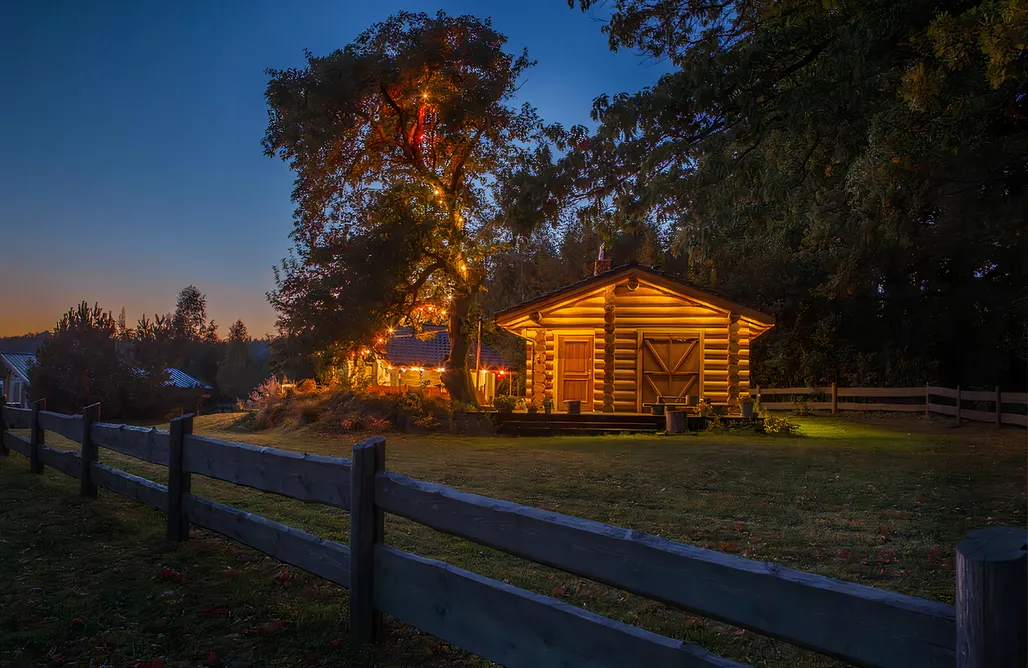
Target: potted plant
x: 532, y: 409
x: 504, y: 404
x: 705, y: 406
x: 746, y: 404
x: 548, y: 404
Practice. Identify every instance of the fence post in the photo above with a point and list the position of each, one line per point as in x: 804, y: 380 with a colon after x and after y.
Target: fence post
x: 927, y: 401
x: 3, y: 426
x: 992, y: 599
x: 835, y: 398
x: 366, y: 529
x: 88, y: 453
x: 999, y: 407
x: 178, y: 479
x: 958, y: 405
x: 37, y: 437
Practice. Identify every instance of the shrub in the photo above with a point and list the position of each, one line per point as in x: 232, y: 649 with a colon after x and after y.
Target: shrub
x: 308, y: 386
x: 774, y: 424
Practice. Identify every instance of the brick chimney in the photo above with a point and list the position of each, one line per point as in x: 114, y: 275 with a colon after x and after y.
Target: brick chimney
x: 601, y: 264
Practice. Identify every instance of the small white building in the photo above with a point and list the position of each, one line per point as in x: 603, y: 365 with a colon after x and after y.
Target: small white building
x: 16, y: 377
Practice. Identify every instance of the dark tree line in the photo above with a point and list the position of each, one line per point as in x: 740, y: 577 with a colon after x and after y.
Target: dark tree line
x: 91, y: 356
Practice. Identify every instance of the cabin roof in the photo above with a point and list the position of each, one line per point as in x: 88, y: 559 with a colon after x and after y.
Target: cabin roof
x: 19, y: 363
x: 655, y: 276
x: 430, y: 348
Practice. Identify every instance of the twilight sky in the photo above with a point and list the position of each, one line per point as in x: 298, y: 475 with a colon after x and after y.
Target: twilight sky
x: 131, y: 163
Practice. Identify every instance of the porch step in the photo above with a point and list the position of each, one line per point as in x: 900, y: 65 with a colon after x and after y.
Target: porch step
x: 540, y: 424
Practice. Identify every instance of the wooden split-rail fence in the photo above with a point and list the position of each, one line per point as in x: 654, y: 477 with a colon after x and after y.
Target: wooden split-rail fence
x: 514, y: 627
x: 963, y: 404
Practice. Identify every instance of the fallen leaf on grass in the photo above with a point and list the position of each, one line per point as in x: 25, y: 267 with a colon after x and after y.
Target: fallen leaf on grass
x: 283, y: 576
x: 557, y: 591
x: 694, y: 622
x: 171, y: 575
x: 738, y: 526
x: 267, y: 629
x: 921, y: 498
x: 842, y: 555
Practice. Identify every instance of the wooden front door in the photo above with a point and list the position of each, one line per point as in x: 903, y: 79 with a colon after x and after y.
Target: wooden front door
x: 575, y: 370
x: 671, y: 366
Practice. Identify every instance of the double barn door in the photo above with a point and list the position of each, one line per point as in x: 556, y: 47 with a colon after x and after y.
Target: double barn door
x: 671, y: 366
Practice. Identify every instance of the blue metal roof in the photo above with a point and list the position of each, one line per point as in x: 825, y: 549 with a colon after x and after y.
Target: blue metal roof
x: 430, y: 348
x: 19, y: 363
x: 185, y: 381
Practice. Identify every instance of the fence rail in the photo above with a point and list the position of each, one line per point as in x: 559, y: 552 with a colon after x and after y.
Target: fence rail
x: 511, y: 626
x: 915, y: 400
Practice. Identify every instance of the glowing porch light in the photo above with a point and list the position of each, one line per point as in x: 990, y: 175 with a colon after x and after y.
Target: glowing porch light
x: 441, y: 369
x: 390, y: 330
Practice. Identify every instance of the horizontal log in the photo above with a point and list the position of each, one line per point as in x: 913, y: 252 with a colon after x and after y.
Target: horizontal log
x: 16, y: 443
x: 514, y: 627
x: 942, y: 392
x: 941, y: 408
x: 670, y: 320
x: 298, y: 475
x: 845, y: 620
x: 1013, y: 397
x: 880, y: 392
x: 897, y: 408
x: 67, y: 462
x: 324, y: 558
x: 17, y: 418
x: 132, y: 486
x: 150, y: 445
x: 68, y: 426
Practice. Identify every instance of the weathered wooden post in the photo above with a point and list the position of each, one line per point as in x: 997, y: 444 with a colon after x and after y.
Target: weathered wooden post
x: 835, y: 398
x: 999, y: 407
x: 3, y: 426
x: 178, y: 479
x: 992, y: 599
x: 367, y: 528
x: 88, y: 452
x: 958, y: 405
x: 927, y: 400
x: 37, y: 437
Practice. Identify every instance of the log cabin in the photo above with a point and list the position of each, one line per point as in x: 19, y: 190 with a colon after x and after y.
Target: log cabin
x: 630, y: 336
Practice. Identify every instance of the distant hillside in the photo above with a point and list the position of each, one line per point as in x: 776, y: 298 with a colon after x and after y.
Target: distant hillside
x: 23, y: 343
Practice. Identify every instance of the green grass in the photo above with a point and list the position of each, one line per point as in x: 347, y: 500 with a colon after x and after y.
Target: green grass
x: 877, y: 501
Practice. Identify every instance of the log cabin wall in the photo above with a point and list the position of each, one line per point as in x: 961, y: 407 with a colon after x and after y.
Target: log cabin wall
x: 638, y: 309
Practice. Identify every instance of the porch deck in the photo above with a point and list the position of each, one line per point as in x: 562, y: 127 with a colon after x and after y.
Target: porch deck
x: 541, y: 424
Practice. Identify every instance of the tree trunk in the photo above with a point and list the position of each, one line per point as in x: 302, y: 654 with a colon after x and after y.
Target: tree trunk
x: 457, y: 377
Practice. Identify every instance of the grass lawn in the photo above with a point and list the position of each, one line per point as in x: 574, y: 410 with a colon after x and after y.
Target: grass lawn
x: 878, y: 501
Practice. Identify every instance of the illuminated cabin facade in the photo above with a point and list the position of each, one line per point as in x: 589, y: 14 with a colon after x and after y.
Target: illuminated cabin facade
x: 413, y: 360
x: 629, y: 336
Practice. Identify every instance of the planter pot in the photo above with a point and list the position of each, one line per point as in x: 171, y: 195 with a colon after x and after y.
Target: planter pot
x: 548, y: 409
x: 675, y: 422
x: 657, y: 409
x: 747, y: 411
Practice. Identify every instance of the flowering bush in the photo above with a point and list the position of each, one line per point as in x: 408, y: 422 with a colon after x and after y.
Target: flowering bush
x: 774, y: 424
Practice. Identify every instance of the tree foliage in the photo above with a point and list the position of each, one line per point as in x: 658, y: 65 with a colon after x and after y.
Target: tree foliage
x: 394, y: 141
x: 857, y: 167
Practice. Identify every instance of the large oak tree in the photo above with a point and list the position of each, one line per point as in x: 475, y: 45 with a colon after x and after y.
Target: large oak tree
x: 395, y: 141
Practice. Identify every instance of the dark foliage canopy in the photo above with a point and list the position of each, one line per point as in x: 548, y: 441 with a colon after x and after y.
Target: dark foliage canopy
x: 859, y: 167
